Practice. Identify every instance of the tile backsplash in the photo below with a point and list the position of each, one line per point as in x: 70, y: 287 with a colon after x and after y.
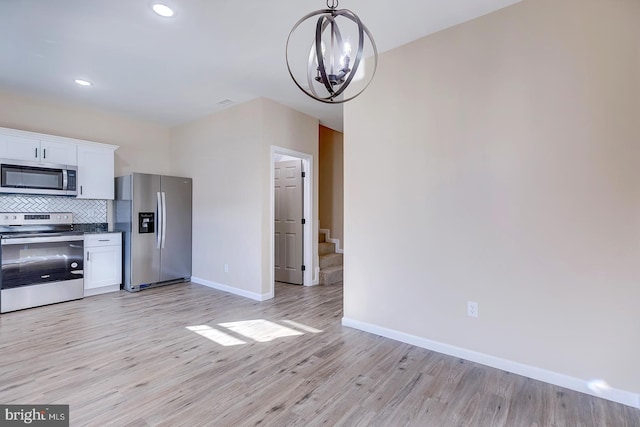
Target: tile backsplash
x: 84, y: 211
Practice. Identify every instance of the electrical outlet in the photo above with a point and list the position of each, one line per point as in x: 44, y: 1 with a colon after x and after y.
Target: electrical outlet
x: 226, y: 268
x: 472, y: 309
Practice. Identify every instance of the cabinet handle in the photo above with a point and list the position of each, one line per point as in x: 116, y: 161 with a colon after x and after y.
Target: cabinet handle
x: 103, y: 240
x: 36, y: 153
x: 81, y: 190
x: 87, y: 256
x: 44, y: 153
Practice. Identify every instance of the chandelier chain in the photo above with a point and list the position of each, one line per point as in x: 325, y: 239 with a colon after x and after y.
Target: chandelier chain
x: 332, y: 4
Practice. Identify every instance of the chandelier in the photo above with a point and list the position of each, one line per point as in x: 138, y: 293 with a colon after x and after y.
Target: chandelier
x: 331, y: 67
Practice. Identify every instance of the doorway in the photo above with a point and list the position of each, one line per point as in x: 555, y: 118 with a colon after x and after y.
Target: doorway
x: 306, y: 161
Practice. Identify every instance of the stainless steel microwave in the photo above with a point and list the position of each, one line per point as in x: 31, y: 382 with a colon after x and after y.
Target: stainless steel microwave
x: 23, y: 177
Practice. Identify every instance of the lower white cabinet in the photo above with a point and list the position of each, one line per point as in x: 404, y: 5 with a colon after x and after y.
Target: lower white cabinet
x: 102, y: 263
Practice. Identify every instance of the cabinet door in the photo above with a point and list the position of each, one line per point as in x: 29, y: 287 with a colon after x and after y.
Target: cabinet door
x: 102, y: 266
x: 61, y: 153
x: 19, y: 148
x: 95, y: 173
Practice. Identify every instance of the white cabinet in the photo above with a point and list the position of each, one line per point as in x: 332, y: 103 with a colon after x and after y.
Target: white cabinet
x: 95, y: 172
x: 16, y: 147
x: 102, y: 263
x: 61, y: 153
x: 95, y: 161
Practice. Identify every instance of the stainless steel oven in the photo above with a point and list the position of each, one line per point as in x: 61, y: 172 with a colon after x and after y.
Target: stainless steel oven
x: 42, y: 260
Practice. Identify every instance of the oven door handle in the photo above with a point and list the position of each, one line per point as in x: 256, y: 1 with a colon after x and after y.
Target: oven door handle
x: 29, y: 240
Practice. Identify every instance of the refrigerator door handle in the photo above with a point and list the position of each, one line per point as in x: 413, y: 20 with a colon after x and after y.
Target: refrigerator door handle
x: 159, y: 225
x: 164, y: 219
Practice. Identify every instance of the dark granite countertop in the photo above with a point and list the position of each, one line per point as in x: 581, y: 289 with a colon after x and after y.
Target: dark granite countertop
x: 98, y: 227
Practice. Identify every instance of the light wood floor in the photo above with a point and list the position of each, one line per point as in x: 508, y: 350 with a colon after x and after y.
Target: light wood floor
x: 126, y: 359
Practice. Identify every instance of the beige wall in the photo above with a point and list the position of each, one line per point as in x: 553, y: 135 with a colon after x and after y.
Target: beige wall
x: 502, y: 167
x: 144, y: 146
x: 331, y: 182
x: 285, y: 128
x: 228, y: 154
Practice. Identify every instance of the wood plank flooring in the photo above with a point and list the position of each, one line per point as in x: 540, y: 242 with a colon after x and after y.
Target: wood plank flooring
x: 125, y: 359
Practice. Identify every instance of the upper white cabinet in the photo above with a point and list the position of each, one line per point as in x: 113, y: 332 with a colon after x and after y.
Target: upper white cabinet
x: 15, y: 147
x: 19, y: 147
x: 61, y: 153
x: 95, y: 172
x: 95, y: 161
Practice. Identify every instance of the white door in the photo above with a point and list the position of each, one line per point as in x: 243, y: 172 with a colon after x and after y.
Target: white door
x: 288, y: 221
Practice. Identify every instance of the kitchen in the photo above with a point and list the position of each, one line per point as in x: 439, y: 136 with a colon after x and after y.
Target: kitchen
x: 233, y: 216
x: 58, y: 243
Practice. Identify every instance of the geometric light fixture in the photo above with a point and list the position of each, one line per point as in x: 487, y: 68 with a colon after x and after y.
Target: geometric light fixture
x: 330, y: 65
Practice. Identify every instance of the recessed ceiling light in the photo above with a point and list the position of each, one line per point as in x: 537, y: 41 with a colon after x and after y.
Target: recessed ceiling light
x: 163, y: 10
x: 83, y: 82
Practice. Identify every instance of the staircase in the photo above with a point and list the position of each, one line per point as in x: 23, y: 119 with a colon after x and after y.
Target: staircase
x: 330, y: 262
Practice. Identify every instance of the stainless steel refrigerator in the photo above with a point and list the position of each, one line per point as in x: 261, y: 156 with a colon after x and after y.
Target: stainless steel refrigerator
x: 154, y: 214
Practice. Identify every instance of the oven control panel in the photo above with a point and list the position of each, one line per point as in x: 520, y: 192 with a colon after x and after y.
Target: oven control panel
x: 27, y: 218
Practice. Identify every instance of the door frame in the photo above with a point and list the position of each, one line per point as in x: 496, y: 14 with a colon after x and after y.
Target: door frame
x: 307, y: 229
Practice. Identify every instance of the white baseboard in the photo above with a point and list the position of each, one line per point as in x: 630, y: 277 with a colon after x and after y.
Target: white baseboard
x: 232, y: 290
x: 102, y: 290
x: 616, y: 395
x: 328, y: 238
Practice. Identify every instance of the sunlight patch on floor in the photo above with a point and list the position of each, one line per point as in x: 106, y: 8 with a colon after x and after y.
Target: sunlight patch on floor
x: 259, y: 330
x: 215, y: 335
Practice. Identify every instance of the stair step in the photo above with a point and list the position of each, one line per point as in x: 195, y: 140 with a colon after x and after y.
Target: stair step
x: 326, y: 248
x: 330, y: 260
x: 331, y: 275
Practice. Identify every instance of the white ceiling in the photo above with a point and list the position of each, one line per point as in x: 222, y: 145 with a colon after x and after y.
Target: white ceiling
x: 175, y: 70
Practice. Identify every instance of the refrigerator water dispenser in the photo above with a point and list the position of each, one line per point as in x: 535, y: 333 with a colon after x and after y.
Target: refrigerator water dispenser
x: 146, y: 222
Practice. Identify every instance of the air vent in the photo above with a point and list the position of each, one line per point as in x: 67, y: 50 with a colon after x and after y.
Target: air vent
x: 225, y: 102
